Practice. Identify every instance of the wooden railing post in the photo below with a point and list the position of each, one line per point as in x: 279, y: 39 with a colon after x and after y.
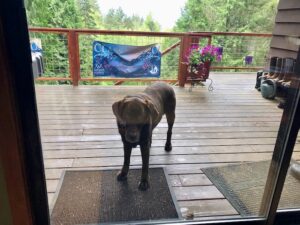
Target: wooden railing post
x: 182, y: 68
x: 186, y: 42
x: 74, y: 60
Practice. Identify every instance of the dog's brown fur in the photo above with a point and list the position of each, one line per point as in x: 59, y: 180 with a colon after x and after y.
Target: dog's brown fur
x: 137, y: 116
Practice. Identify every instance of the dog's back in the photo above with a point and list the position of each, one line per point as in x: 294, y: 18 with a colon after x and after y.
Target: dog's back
x: 163, y: 96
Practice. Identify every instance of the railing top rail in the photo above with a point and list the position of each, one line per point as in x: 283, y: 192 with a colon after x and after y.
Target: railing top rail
x: 145, y: 33
x: 236, y: 34
x: 114, y: 32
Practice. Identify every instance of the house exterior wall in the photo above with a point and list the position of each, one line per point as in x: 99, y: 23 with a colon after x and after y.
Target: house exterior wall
x: 287, y: 25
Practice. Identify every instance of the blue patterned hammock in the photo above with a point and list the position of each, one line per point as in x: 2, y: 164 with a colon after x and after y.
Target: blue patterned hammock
x: 125, y: 60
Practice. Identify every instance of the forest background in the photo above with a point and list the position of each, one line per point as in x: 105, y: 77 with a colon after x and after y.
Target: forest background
x: 196, y: 16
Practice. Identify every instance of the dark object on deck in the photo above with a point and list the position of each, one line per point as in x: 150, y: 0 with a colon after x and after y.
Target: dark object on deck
x: 95, y: 196
x: 282, y: 104
x: 243, y: 185
x: 37, y: 64
x: 137, y: 116
x: 268, y: 89
x: 258, y: 79
x: 273, y: 62
x: 268, y: 71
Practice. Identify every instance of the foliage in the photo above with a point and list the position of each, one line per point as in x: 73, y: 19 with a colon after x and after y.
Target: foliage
x: 231, y: 16
x: 150, y: 24
x: 228, y: 16
x: 90, y: 14
x: 197, y: 55
x: 116, y: 19
x: 197, y: 15
x: 53, y: 13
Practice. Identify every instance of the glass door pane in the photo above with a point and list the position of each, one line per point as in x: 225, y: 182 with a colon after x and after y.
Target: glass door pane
x: 227, y: 142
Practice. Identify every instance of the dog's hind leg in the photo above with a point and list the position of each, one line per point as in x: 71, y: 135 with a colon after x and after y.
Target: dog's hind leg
x: 170, y: 119
x: 127, y: 153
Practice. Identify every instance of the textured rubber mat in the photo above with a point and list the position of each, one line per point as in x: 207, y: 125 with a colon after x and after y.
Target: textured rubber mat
x: 95, y: 196
x: 243, y: 186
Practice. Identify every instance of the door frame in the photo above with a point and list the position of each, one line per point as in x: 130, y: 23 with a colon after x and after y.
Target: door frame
x: 26, y: 178
x: 20, y: 143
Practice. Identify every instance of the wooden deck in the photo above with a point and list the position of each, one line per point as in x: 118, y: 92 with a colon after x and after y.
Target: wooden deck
x: 232, y: 124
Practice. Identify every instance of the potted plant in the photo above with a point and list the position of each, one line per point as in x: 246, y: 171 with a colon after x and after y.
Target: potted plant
x: 200, y: 59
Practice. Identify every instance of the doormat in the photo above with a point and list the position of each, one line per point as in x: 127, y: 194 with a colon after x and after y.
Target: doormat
x: 95, y: 196
x: 243, y: 186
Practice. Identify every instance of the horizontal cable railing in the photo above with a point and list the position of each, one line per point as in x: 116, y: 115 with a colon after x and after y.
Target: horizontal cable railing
x: 67, y: 53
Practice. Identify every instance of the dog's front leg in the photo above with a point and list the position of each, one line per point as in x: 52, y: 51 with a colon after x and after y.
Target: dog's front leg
x: 144, y: 183
x: 127, y: 153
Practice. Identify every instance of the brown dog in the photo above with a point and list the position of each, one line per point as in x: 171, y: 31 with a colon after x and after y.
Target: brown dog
x: 137, y: 116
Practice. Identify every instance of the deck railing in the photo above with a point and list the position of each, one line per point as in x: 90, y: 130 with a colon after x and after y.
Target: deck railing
x: 68, y: 52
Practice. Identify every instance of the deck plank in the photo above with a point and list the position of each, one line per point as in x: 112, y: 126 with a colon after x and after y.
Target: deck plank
x: 202, y: 208
x: 194, y: 180
x: 233, y: 124
x: 197, y: 193
x: 111, y: 152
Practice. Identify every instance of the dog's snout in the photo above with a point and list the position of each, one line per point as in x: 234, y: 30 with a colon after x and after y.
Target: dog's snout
x: 132, y: 137
x: 132, y: 134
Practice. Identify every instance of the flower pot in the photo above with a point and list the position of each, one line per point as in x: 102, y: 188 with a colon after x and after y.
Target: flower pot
x: 199, y: 72
x: 205, y: 69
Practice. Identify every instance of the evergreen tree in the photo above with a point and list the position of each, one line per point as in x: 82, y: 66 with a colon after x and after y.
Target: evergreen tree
x: 150, y: 24
x: 90, y: 14
x: 227, y: 15
x: 53, y: 13
x: 115, y: 19
x: 193, y: 17
x: 231, y: 16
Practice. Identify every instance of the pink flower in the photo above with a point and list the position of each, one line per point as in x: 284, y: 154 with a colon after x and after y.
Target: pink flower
x: 198, y: 55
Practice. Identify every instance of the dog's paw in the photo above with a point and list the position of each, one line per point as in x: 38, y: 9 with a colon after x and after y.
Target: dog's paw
x: 122, y: 176
x: 168, y: 147
x: 144, y: 185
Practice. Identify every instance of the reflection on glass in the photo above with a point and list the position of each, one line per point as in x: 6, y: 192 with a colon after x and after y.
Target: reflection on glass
x: 291, y: 191
x: 226, y: 144
x: 287, y: 89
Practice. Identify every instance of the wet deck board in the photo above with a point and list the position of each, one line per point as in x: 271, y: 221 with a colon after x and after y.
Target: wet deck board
x: 232, y: 124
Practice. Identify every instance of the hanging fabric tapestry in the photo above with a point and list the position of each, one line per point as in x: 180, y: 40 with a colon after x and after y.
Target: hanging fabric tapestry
x: 125, y: 60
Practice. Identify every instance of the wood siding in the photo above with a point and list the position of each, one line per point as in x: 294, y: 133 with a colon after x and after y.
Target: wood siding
x: 287, y: 24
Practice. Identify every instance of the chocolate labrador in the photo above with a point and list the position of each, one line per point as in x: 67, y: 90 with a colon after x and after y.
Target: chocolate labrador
x: 137, y: 116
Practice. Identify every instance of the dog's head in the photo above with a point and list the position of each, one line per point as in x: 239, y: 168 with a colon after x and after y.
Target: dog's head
x: 133, y: 113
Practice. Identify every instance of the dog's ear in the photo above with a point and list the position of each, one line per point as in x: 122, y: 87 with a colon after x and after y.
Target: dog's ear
x: 152, y: 108
x: 117, y: 109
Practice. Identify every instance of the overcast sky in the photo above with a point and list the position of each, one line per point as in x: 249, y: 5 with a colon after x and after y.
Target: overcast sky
x: 166, y: 12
